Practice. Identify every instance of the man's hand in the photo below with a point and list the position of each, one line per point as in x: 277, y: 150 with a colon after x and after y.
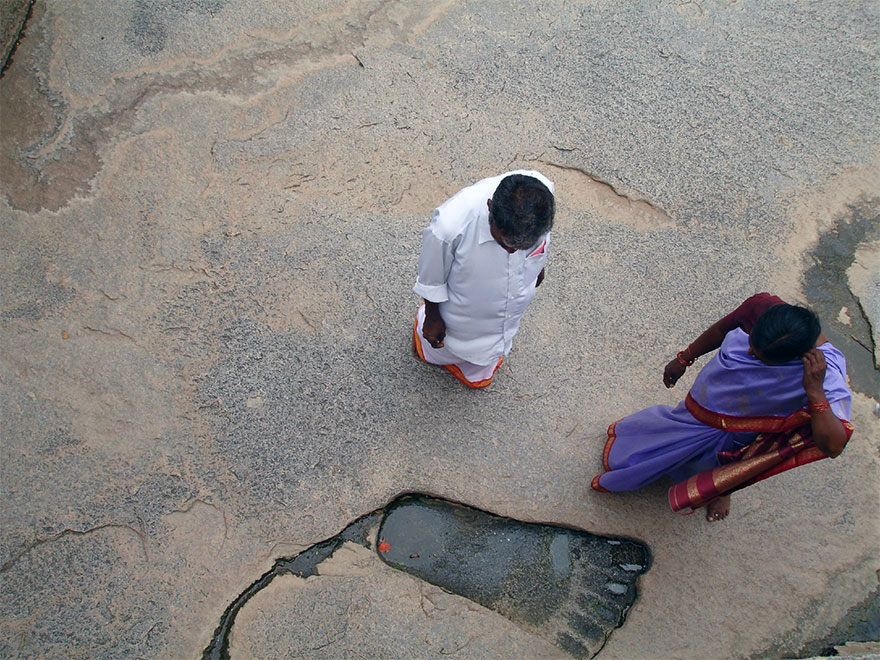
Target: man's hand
x: 673, y: 371
x: 814, y: 374
x: 434, y: 328
x: 540, y: 278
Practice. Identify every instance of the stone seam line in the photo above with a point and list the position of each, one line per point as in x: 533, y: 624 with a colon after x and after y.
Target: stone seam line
x: 13, y: 43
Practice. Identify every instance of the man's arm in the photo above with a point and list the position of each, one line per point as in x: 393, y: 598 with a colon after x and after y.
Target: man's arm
x: 435, y: 263
x: 434, y: 328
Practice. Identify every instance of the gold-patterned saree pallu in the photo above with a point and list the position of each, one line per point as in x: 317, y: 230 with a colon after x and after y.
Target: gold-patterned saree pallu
x: 782, y: 443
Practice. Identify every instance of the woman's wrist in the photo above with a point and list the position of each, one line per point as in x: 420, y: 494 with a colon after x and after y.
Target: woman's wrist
x: 685, y: 357
x: 816, y: 395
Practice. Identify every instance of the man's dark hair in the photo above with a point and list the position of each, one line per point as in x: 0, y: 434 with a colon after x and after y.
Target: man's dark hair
x: 522, y: 210
x: 784, y: 333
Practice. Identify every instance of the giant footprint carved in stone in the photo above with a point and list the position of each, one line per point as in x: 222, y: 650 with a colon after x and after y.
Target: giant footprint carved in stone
x: 566, y: 586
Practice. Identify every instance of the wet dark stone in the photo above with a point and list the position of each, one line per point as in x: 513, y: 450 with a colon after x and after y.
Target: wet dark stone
x: 861, y: 624
x: 148, y: 30
x: 827, y: 289
x: 603, y: 612
x: 569, y: 587
x: 570, y: 645
x: 566, y: 586
x: 362, y: 529
x: 306, y: 563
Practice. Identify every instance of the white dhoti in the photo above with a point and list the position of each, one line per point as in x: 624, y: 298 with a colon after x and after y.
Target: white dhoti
x: 472, y: 375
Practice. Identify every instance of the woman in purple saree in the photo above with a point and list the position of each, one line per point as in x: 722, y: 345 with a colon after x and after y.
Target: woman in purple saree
x: 774, y: 397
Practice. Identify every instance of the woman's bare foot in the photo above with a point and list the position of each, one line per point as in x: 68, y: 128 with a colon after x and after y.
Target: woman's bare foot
x: 718, y: 508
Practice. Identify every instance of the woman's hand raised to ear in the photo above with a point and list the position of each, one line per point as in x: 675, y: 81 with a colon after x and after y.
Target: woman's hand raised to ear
x: 814, y: 374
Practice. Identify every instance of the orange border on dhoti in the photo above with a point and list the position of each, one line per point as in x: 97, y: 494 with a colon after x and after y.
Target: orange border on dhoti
x: 452, y: 368
x: 416, y: 343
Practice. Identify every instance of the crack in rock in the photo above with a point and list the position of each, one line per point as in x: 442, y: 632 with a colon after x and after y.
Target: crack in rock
x: 609, y: 200
x: 16, y: 32
x: 112, y: 333
x: 75, y: 532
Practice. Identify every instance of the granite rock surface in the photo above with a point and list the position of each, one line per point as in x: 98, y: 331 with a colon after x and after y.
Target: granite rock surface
x: 209, y: 226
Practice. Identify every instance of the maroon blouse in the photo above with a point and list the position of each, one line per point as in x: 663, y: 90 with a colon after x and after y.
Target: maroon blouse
x: 750, y: 311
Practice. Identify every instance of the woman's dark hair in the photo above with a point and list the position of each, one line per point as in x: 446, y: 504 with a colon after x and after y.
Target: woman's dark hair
x: 784, y: 333
x: 522, y: 210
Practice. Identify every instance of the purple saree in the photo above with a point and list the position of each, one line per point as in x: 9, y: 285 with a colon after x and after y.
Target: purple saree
x: 735, y: 401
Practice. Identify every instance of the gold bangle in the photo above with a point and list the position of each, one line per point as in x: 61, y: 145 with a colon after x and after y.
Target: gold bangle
x: 818, y: 407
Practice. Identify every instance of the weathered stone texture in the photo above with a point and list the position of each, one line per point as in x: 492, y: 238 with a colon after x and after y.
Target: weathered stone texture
x: 210, y: 214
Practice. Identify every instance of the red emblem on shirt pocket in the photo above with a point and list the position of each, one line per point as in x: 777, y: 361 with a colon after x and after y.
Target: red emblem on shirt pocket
x: 538, y: 250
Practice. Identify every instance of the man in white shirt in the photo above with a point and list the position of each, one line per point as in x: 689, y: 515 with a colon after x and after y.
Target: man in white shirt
x: 482, y: 258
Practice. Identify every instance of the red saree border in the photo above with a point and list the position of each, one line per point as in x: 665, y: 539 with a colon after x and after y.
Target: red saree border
x: 606, y: 451
x: 745, y: 424
x: 768, y: 455
x: 675, y: 502
x: 803, y: 457
x: 700, y: 489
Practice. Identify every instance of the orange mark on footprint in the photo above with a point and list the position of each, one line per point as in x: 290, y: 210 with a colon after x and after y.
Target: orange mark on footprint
x: 384, y: 546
